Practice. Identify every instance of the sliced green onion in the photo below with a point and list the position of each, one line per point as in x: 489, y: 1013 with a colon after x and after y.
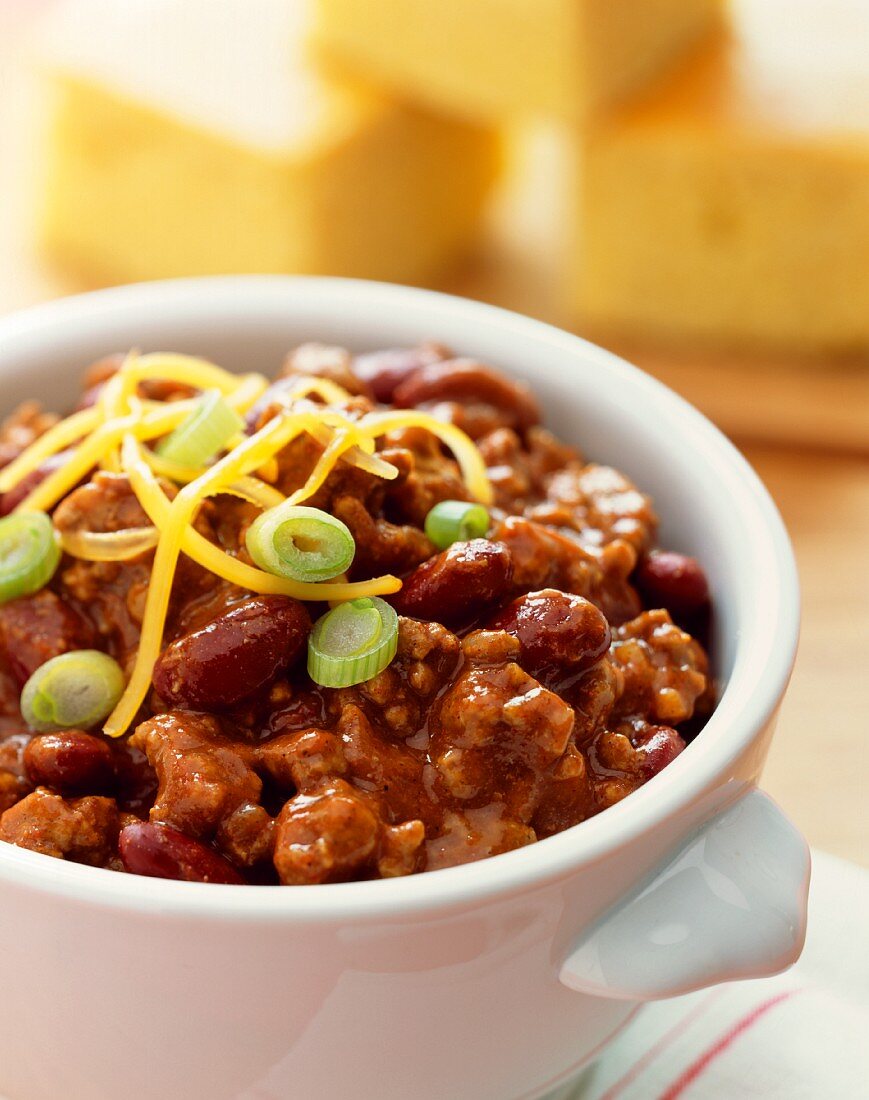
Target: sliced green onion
x: 352, y: 642
x: 301, y: 543
x: 73, y: 691
x: 204, y: 433
x: 29, y: 554
x: 456, y: 521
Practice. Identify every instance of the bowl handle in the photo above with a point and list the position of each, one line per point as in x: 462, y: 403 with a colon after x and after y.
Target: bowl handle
x: 729, y: 903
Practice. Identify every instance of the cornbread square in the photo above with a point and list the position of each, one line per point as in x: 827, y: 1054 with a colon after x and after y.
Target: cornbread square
x: 732, y: 204
x: 198, y: 138
x: 496, y: 58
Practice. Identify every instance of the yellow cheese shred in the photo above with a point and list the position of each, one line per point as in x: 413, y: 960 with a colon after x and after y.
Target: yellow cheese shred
x: 187, y: 370
x: 50, y: 443
x: 330, y: 391
x: 157, y: 604
x: 465, y: 451
x: 88, y: 455
x: 341, y: 442
x: 359, y: 455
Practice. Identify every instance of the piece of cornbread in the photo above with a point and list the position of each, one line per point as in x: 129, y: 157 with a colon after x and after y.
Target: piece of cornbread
x: 196, y: 138
x: 497, y: 58
x: 733, y: 203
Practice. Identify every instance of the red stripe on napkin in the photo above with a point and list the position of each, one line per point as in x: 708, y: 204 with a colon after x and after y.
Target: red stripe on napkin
x: 698, y: 1067
x: 654, y: 1051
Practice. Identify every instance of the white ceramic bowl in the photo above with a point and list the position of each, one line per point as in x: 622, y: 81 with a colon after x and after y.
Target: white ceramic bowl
x: 495, y: 980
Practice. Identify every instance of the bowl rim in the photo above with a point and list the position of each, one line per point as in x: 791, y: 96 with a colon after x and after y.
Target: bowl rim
x: 747, y: 704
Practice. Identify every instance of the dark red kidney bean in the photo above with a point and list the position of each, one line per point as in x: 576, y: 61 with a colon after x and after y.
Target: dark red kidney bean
x: 234, y: 655
x: 70, y: 760
x: 10, y: 500
x: 456, y: 586
x: 660, y: 747
x: 135, y: 780
x: 159, y: 851
x: 560, y: 634
x: 467, y: 382
x: 674, y: 581
x: 33, y: 629
x: 304, y: 710
x: 383, y: 371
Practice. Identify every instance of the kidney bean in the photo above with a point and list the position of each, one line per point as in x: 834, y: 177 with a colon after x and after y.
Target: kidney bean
x: 159, y: 851
x: 10, y: 500
x: 69, y: 761
x: 456, y: 586
x: 674, y: 581
x: 468, y: 383
x: 304, y: 709
x: 660, y: 747
x: 560, y: 634
x: 33, y: 629
x: 383, y: 371
x: 234, y: 655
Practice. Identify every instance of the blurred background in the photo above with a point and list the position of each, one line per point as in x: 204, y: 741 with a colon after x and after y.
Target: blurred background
x: 683, y: 181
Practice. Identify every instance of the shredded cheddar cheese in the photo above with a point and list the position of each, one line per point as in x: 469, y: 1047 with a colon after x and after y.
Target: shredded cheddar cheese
x: 113, y: 435
x: 217, y: 561
x: 466, y: 454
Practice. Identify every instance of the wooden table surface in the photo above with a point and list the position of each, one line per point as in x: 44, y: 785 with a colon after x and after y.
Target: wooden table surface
x: 804, y: 427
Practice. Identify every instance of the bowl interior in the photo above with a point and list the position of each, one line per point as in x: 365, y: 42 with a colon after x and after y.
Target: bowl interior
x: 710, y: 503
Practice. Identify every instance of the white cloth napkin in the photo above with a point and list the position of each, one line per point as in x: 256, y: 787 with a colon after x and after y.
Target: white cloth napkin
x: 803, y: 1035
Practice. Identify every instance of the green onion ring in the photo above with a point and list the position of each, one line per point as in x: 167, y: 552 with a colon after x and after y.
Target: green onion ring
x: 303, y: 544
x: 29, y: 554
x: 352, y: 643
x: 456, y: 521
x: 73, y: 691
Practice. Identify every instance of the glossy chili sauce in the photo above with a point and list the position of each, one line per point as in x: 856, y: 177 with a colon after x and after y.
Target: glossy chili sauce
x: 542, y: 674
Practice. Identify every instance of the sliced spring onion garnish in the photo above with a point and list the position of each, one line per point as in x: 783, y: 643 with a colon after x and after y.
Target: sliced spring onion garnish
x: 301, y: 543
x: 204, y: 433
x: 73, y: 691
x: 456, y: 521
x: 29, y: 554
x: 352, y: 643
